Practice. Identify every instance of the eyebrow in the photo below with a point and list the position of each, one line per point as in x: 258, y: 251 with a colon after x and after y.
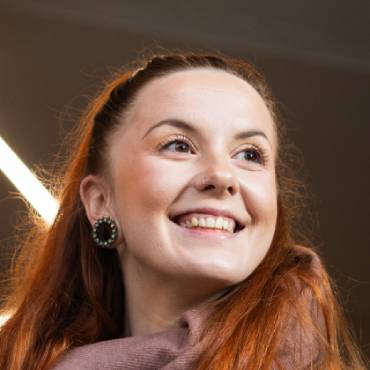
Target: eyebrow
x: 187, y: 127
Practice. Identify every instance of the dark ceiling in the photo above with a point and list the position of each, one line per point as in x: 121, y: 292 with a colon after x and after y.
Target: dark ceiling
x: 316, y: 56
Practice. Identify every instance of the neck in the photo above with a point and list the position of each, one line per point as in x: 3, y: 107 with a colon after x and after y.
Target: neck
x: 153, y: 304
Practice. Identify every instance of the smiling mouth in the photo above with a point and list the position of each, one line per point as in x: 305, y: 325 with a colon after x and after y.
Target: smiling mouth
x: 238, y: 227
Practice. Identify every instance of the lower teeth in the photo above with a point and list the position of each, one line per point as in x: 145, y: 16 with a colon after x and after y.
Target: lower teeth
x: 205, y: 228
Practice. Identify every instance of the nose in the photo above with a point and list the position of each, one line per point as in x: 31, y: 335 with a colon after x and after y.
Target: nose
x: 218, y: 179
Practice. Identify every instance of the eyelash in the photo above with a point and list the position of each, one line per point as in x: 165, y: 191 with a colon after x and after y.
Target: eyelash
x: 261, y: 152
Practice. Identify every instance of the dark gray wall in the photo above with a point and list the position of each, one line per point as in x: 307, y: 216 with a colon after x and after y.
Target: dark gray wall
x: 316, y: 58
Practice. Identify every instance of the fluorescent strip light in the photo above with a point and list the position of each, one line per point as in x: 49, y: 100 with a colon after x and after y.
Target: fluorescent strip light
x: 4, y: 318
x: 27, y: 183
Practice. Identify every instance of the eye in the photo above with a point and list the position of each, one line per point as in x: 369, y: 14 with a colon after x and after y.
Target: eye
x: 254, y: 154
x: 179, y: 144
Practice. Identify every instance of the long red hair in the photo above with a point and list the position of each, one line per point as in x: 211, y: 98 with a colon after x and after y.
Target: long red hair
x: 64, y: 291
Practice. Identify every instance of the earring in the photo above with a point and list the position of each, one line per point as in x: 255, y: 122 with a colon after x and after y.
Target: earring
x: 105, y: 232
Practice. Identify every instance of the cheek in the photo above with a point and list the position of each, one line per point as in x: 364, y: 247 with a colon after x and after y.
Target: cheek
x: 147, y: 184
x: 262, y: 197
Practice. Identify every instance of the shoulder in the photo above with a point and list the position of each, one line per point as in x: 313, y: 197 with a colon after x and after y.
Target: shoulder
x: 308, y: 275
x: 308, y: 256
x: 305, y: 324
x: 311, y: 276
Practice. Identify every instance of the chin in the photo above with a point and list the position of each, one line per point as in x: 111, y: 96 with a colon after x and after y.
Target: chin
x: 217, y: 272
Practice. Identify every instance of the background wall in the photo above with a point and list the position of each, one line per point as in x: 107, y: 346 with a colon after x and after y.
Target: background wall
x: 316, y: 57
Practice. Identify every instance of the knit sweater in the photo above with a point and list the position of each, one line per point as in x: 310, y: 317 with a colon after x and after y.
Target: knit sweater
x: 175, y: 348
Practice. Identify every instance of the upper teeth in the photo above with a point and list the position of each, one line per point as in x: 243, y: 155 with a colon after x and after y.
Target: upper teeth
x: 210, y: 222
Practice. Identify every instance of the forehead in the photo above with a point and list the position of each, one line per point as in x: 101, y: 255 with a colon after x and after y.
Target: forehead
x: 201, y: 95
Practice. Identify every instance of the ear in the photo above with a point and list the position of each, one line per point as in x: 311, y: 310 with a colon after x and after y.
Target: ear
x: 95, y: 198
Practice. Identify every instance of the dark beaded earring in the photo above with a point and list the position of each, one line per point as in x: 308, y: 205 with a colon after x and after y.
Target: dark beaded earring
x: 105, y: 232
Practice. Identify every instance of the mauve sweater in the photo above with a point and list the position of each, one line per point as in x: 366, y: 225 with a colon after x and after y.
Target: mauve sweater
x: 175, y: 349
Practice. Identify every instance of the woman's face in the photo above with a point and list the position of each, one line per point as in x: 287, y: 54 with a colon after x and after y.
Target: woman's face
x: 178, y: 149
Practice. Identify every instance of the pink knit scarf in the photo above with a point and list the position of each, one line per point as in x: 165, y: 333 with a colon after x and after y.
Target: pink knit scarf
x: 172, y: 349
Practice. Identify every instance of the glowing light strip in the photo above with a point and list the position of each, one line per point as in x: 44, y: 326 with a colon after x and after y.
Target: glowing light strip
x: 27, y: 183
x: 4, y: 318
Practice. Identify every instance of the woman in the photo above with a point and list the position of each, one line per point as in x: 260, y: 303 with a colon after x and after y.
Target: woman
x: 175, y: 243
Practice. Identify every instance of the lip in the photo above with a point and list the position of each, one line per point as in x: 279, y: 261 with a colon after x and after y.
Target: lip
x: 207, y: 233
x: 210, y: 211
